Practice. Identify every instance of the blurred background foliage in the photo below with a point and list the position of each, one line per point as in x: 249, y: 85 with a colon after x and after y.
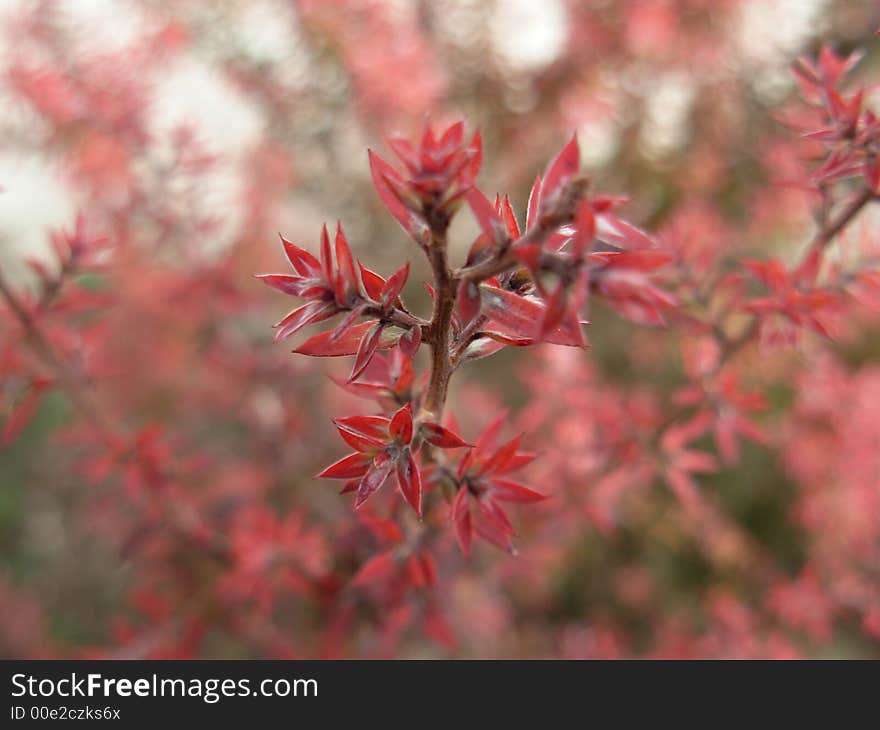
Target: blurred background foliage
x: 191, y: 132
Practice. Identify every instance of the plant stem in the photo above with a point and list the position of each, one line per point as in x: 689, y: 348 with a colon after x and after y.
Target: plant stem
x: 41, y: 347
x: 445, y: 286
x: 812, y: 258
x: 836, y: 225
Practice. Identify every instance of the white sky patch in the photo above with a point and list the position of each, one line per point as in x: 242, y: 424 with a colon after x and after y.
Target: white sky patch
x: 599, y: 140
x: 34, y: 201
x: 267, y: 29
x: 194, y: 95
x: 667, y: 113
x: 529, y: 35
x: 770, y: 33
x: 108, y: 25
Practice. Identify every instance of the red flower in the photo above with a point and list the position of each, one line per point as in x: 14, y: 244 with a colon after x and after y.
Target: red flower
x: 383, y: 446
x: 792, y: 303
x: 483, y: 483
x: 438, y: 173
x: 333, y: 286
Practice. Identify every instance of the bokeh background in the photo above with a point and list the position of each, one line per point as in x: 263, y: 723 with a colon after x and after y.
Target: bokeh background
x: 190, y: 133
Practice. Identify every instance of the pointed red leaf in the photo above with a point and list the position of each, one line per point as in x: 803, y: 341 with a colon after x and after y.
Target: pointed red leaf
x: 376, y: 570
x: 534, y: 203
x: 347, y: 280
x: 584, y: 229
x: 489, y: 220
x: 301, y: 260
x: 373, y: 283
x: 410, y: 481
x: 502, y: 456
x: 441, y: 437
x: 401, y: 426
x: 614, y: 230
x: 410, y: 340
x: 21, y: 415
x: 395, y: 285
x: 554, y: 311
x: 366, y: 438
x: 369, y: 427
x: 326, y: 256
x: 518, y: 317
x: 388, y: 182
x: 366, y: 349
x: 472, y: 167
x: 468, y: 301
x: 509, y: 491
x: 562, y: 169
x: 452, y: 137
x: 510, y: 218
x: 375, y: 477
x: 406, y: 152
x: 461, y: 517
x: 322, y: 345
x: 305, y: 315
x: 348, y: 467
x: 286, y: 283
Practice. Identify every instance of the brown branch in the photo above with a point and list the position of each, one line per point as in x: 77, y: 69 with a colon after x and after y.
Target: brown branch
x: 834, y: 227
x: 43, y: 349
x: 440, y: 330
x: 503, y: 260
x: 547, y: 223
x: 84, y: 399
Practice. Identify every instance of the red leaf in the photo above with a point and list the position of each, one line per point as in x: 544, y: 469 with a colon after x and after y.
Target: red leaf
x: 373, y: 283
x: 509, y: 218
x: 401, y: 426
x: 529, y: 254
x: 301, y: 260
x: 377, y: 569
x: 585, y: 229
x: 500, y: 459
x: 441, y: 437
x: 554, y: 311
x: 366, y: 349
x: 322, y: 345
x: 461, y: 517
x: 22, y: 414
x: 395, y: 285
x: 614, y: 230
x: 410, y: 481
x: 468, y: 301
x: 368, y: 425
x: 347, y: 279
x: 375, y: 477
x: 286, y: 283
x: 509, y: 491
x: 406, y: 152
x: 489, y: 220
x: 472, y: 168
x: 348, y: 467
x: 534, y: 203
x: 452, y: 137
x: 326, y: 256
x: 305, y: 315
x: 642, y: 260
x: 348, y: 321
x: 410, y: 340
x: 561, y: 170
x: 387, y: 182
x: 519, y: 317
x: 366, y: 434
